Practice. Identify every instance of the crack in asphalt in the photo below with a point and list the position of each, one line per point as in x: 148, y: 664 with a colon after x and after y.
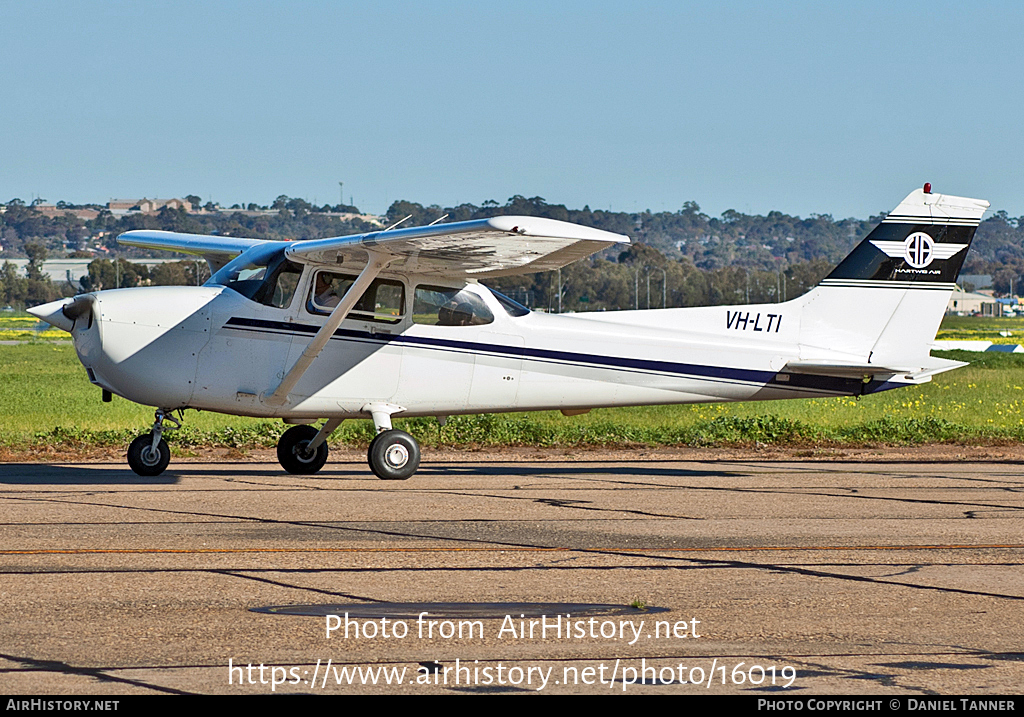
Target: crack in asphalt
x: 99, y: 673
x: 306, y: 588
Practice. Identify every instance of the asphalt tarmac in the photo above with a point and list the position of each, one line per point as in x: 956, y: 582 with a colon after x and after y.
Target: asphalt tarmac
x: 768, y: 578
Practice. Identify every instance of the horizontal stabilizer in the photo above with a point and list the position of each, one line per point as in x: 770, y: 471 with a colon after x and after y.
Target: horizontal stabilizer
x: 932, y: 366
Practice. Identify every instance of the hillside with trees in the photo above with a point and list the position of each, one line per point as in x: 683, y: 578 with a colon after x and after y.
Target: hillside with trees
x: 681, y: 258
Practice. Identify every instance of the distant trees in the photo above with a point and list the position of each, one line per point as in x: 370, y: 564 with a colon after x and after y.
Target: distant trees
x: 13, y: 288
x: 644, y: 278
x: 34, y: 286
x: 418, y: 214
x: 32, y: 289
x: 117, y: 274
x: 171, y: 274
x: 679, y: 258
x: 123, y: 274
x: 762, y: 242
x: 36, y: 257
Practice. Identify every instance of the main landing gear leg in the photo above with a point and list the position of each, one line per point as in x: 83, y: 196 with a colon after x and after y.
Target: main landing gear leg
x: 148, y: 455
x: 302, y: 450
x: 393, y: 454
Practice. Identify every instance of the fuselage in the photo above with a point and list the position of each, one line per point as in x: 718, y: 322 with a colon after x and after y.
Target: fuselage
x: 216, y: 349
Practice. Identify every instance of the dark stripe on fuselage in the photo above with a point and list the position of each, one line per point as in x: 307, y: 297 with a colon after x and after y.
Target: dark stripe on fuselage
x: 768, y: 379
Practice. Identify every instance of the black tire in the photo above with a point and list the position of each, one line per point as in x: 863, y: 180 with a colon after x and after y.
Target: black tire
x: 291, y: 451
x: 394, y: 455
x: 144, y: 460
x: 369, y: 449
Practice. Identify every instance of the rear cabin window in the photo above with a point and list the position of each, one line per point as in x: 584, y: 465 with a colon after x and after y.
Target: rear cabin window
x: 445, y: 306
x: 383, y: 301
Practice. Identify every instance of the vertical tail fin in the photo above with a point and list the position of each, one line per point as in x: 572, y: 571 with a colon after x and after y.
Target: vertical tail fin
x: 884, y: 302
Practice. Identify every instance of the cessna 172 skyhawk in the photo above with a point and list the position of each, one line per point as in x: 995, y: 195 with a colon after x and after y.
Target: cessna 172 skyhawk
x: 395, y: 322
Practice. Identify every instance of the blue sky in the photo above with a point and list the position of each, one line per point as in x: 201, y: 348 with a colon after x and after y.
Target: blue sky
x: 803, y: 107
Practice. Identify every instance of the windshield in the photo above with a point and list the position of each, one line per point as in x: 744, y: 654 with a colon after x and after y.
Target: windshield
x: 262, y: 274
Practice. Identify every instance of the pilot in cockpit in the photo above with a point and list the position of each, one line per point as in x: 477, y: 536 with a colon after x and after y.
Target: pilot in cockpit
x: 324, y: 293
x: 455, y: 314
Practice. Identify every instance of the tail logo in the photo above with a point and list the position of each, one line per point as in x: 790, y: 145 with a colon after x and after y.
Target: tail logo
x: 919, y: 250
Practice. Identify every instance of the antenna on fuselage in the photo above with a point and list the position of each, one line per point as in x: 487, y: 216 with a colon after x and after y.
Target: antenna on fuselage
x: 439, y: 219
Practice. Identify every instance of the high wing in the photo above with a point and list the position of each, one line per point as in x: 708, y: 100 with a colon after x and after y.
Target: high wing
x: 481, y: 248
x: 217, y: 250
x: 499, y: 246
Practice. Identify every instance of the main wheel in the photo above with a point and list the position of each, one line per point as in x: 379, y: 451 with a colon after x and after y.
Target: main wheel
x: 292, y: 453
x: 144, y: 460
x: 369, y: 449
x: 394, y: 455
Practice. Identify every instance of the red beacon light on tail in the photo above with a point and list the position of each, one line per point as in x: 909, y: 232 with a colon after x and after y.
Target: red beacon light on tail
x: 927, y: 187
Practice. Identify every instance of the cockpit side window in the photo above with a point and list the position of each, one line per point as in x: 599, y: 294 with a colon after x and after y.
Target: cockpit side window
x: 262, y: 274
x: 445, y: 306
x: 383, y: 301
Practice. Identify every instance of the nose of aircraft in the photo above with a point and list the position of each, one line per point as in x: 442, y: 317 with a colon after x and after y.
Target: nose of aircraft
x: 63, y: 312
x: 143, y: 343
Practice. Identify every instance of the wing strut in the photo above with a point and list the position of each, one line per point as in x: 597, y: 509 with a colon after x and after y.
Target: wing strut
x: 374, y: 266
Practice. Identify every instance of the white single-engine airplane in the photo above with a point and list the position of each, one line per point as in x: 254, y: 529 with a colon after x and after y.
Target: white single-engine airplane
x: 395, y: 322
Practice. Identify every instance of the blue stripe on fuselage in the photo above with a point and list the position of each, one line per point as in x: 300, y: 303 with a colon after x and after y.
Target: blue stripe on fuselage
x: 846, y: 386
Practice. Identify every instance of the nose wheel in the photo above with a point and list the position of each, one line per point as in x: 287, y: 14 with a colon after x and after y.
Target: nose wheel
x: 147, y: 460
x: 393, y: 455
x: 148, y: 455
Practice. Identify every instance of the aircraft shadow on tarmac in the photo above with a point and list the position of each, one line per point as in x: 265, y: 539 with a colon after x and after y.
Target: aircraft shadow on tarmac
x: 341, y: 471
x: 623, y: 470
x: 84, y: 474
x: 45, y: 474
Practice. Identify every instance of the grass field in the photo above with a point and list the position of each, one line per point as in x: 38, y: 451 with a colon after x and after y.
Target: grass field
x: 982, y: 328
x: 45, y: 399
x: 19, y: 326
